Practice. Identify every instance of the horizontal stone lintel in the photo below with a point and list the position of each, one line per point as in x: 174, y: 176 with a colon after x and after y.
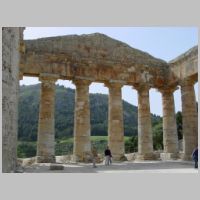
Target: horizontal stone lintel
x: 49, y: 75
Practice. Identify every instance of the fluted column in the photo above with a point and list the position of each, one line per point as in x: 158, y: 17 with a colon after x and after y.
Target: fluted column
x: 170, y: 136
x: 46, y: 129
x: 189, y: 118
x: 115, y: 121
x: 82, y: 144
x: 145, y: 138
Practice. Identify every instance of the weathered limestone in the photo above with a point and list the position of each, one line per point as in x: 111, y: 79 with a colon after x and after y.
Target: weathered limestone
x: 115, y: 121
x: 94, y: 56
x: 145, y: 138
x: 189, y: 118
x: 46, y: 129
x: 170, y: 136
x: 185, y: 65
x: 11, y: 38
x: 102, y: 59
x: 82, y: 144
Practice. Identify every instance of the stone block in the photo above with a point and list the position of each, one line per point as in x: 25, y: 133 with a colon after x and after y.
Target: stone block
x: 147, y: 156
x: 131, y: 156
x: 56, y: 167
x: 169, y: 156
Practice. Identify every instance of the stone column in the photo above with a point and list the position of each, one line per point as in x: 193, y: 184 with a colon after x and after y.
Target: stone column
x: 145, y: 138
x: 189, y: 118
x: 20, y: 76
x: 170, y: 136
x: 115, y: 121
x: 46, y: 129
x: 11, y: 38
x: 82, y: 144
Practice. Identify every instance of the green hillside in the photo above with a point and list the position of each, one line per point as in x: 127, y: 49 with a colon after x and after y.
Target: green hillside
x: 64, y: 114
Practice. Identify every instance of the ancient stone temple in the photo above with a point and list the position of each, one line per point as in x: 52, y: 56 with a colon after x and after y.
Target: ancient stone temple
x: 98, y: 58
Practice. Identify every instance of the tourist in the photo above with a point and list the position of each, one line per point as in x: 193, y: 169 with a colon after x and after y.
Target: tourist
x: 195, y: 157
x: 94, y: 156
x: 108, y: 156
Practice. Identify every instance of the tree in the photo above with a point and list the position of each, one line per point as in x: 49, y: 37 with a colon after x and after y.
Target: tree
x: 64, y: 113
x: 158, y: 136
x: 26, y: 149
x: 131, y: 145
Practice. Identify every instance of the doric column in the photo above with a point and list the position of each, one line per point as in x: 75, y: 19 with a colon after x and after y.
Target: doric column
x: 82, y: 144
x: 189, y: 118
x: 10, y: 94
x: 46, y: 129
x: 170, y: 136
x: 145, y: 138
x: 115, y: 121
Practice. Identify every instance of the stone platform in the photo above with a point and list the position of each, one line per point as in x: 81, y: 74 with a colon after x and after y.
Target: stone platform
x: 118, y: 167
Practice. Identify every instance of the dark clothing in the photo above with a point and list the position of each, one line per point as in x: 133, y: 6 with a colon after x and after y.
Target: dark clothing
x: 107, y: 152
x: 195, y: 164
x: 195, y: 157
x: 195, y: 154
x: 108, y: 156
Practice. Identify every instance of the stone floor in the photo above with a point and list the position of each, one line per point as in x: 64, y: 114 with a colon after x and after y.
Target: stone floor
x: 122, y: 167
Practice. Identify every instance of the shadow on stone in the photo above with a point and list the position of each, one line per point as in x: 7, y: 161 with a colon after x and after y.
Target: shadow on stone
x: 56, y: 167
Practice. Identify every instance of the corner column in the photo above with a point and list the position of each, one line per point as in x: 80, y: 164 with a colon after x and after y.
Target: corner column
x: 11, y: 38
x: 46, y: 129
x: 82, y: 144
x: 170, y: 136
x: 115, y: 121
x: 189, y: 118
x: 145, y: 138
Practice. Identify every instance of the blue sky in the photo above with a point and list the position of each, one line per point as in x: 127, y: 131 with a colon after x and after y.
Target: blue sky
x: 162, y: 42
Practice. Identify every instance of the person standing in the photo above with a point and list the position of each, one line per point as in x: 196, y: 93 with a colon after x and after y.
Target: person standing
x: 195, y: 157
x: 108, y: 156
x: 94, y: 156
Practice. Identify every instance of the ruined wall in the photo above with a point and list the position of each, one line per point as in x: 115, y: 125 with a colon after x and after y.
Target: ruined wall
x: 186, y: 65
x: 10, y: 83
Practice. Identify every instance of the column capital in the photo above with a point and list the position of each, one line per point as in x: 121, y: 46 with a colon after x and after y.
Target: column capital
x: 48, y: 77
x: 167, y: 90
x: 81, y: 82
x: 114, y: 84
x: 141, y: 87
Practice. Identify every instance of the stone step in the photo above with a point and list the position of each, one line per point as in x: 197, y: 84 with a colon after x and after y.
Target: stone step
x: 56, y: 167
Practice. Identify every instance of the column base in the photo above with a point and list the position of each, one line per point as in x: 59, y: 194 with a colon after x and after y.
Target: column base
x: 46, y: 159
x: 169, y: 156
x: 147, y: 156
x: 185, y: 157
x: 85, y: 158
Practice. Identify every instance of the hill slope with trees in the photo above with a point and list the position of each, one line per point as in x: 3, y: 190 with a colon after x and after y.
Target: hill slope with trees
x: 64, y: 113
x: 64, y: 119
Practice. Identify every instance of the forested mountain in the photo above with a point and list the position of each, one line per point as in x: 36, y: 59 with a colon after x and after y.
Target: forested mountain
x: 64, y: 113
